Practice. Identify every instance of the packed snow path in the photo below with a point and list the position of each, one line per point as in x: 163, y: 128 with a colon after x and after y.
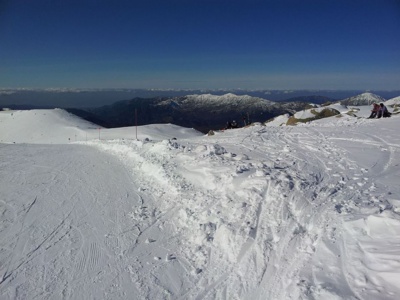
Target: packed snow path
x: 308, y: 212
x: 65, y: 223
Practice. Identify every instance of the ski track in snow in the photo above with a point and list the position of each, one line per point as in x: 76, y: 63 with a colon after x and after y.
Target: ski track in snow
x: 286, y: 213
x: 58, y: 249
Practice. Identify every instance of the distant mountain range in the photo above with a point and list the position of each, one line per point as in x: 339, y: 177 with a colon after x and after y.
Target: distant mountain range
x: 202, y: 112
x: 84, y: 98
x: 316, y: 99
x: 206, y: 111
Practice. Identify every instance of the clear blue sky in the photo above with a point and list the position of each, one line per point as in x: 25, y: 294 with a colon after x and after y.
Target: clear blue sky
x: 250, y: 44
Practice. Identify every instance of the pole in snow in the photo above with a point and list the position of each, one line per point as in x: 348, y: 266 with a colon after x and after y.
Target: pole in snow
x: 136, y: 121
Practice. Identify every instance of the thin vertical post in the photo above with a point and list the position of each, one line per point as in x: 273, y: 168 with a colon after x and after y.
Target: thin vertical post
x: 136, y: 121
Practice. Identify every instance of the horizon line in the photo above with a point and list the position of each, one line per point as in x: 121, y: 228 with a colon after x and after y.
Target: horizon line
x: 68, y: 89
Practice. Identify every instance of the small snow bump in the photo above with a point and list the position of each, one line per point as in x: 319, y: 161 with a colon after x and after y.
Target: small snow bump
x: 170, y: 257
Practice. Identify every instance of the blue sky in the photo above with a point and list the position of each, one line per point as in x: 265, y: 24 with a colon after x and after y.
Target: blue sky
x: 249, y: 44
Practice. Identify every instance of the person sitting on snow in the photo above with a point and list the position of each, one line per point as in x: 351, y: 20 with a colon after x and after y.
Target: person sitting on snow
x: 374, y: 110
x: 383, y: 111
x: 234, y: 124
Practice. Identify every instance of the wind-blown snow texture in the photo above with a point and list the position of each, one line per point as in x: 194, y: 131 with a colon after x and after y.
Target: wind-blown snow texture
x: 305, y: 212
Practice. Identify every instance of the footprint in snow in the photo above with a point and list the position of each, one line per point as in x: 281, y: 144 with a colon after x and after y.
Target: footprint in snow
x: 170, y: 257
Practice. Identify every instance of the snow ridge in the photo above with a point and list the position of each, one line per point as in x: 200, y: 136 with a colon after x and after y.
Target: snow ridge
x: 363, y: 99
x: 228, y: 99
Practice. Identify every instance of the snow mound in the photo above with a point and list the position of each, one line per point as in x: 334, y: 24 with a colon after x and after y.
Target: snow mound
x: 38, y: 126
x: 373, y: 250
x: 393, y: 101
x: 278, y: 121
x: 57, y: 126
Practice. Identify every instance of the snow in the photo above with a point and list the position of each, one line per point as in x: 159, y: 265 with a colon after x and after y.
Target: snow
x: 278, y: 121
x: 393, y: 101
x: 60, y: 127
x: 363, y: 99
x: 263, y: 212
x: 347, y: 114
x: 229, y: 99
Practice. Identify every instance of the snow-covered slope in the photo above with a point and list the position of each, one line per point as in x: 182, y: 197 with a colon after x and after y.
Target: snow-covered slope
x: 362, y: 99
x: 333, y: 112
x: 305, y: 212
x: 57, y: 126
x: 226, y: 101
x: 393, y: 101
x: 314, y: 114
x: 42, y: 126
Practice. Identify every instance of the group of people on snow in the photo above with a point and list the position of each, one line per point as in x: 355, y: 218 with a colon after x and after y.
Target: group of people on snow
x: 233, y: 124
x: 379, y: 110
x: 230, y: 125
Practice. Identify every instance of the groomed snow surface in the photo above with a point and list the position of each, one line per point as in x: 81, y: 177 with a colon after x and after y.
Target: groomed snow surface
x: 304, y: 212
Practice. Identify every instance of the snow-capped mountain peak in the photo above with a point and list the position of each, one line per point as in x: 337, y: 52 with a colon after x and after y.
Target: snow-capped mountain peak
x: 229, y: 97
x: 362, y: 99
